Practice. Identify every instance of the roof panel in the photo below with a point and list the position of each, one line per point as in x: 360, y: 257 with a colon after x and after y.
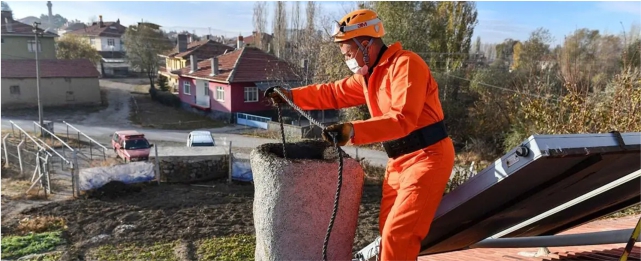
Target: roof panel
x: 557, y: 169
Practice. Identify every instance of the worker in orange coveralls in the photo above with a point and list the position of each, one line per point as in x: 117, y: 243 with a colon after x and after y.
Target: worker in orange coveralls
x: 402, y: 98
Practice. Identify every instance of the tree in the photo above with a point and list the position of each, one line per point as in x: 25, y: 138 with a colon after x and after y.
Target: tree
x: 143, y: 43
x: 5, y: 6
x: 162, y: 83
x: 71, y: 46
x: 280, y: 29
x: 260, y: 23
x: 57, y: 20
x: 477, y: 45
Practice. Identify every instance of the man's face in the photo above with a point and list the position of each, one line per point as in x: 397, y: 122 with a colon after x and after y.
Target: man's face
x: 349, y: 50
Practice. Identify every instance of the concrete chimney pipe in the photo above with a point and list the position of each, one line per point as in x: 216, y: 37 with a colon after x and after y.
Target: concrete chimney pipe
x: 294, y: 198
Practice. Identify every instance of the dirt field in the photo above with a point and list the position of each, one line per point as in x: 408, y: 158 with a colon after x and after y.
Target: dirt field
x: 165, y: 213
x: 145, y: 112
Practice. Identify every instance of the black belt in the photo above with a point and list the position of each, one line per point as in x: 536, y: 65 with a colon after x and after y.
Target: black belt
x: 416, y: 140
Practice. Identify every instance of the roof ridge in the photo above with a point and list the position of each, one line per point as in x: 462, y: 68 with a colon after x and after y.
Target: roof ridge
x: 233, y: 69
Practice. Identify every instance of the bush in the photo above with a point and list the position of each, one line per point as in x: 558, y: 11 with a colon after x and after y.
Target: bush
x: 162, y: 83
x: 168, y: 99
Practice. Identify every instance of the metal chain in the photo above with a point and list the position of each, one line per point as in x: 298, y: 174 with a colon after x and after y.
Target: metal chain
x: 340, y: 162
x: 282, y: 128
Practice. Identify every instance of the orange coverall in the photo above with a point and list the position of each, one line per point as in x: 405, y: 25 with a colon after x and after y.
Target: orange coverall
x: 401, y: 96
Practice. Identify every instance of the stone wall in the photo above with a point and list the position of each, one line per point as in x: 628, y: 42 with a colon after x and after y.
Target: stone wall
x: 304, y: 132
x: 190, y: 169
x: 186, y: 165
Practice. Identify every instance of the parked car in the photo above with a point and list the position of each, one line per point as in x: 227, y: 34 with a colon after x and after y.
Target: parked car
x: 200, y: 139
x: 131, y: 145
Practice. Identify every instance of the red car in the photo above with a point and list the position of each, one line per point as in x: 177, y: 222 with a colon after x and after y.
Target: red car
x: 131, y: 145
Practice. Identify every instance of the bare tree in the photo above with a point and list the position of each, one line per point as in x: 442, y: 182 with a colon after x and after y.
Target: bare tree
x: 260, y: 22
x: 280, y: 29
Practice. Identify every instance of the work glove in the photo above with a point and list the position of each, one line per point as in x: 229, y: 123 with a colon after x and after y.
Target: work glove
x: 342, y: 131
x: 275, y: 97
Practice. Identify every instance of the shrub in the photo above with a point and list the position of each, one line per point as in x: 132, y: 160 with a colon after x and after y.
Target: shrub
x: 168, y: 99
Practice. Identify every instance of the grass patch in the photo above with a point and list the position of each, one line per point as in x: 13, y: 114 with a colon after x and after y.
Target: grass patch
x: 17, y: 246
x: 134, y: 251
x: 236, y: 247
x: 40, y: 225
x: 149, y: 114
x: 51, y: 256
x: 141, y: 89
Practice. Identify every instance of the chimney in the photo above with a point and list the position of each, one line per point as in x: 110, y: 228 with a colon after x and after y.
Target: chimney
x: 50, y: 14
x: 194, y: 64
x: 182, y: 43
x: 214, y: 66
x: 101, y: 23
x: 8, y: 24
x: 118, y: 21
x: 7, y: 14
x: 239, y: 43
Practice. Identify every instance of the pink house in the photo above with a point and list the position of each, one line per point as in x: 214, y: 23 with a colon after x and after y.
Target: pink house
x: 233, y: 82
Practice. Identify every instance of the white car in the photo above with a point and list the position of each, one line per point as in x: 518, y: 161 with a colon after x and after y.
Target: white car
x: 200, y: 139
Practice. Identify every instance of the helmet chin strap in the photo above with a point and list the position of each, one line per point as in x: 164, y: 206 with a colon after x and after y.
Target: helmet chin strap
x: 364, y: 50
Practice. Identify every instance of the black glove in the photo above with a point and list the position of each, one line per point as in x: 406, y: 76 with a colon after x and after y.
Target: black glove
x: 275, y: 97
x: 342, y: 132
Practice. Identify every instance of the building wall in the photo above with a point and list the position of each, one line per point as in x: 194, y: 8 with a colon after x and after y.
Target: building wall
x: 17, y: 47
x: 102, y: 43
x: 53, y: 92
x: 238, y: 99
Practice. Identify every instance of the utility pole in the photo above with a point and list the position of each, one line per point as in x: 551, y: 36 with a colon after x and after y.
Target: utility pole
x: 37, y: 32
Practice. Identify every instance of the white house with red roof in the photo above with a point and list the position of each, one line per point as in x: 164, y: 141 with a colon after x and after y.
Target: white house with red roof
x: 234, y: 82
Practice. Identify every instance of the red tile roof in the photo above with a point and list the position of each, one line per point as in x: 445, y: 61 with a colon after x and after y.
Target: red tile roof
x: 18, y: 28
x: 201, y: 49
x: 250, y: 39
x: 105, y: 31
x: 75, y: 68
x: 248, y: 64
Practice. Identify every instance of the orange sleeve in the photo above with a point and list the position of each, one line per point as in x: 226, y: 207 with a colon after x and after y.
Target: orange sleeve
x: 409, y: 86
x: 340, y: 94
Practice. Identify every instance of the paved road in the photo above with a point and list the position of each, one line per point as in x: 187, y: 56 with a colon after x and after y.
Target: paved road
x: 102, y: 135
x: 102, y: 124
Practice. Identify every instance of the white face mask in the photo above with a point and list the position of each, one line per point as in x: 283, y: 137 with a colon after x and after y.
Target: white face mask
x: 352, y: 64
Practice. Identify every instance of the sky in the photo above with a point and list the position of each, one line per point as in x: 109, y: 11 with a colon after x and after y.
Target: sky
x: 496, y: 20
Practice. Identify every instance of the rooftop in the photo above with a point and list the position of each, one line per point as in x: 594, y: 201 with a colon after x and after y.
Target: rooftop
x: 201, y: 49
x: 13, y: 27
x: 248, y: 64
x: 49, y: 68
x: 102, y: 29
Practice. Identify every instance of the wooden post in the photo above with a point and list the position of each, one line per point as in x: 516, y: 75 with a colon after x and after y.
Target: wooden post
x: 157, y: 165
x: 231, y: 162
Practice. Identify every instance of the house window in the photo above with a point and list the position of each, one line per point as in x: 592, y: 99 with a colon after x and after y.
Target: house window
x: 206, y: 88
x: 220, y: 93
x: 186, y: 88
x: 14, y: 90
x: 110, y: 42
x: 92, y: 41
x: 251, y: 94
x: 31, y: 46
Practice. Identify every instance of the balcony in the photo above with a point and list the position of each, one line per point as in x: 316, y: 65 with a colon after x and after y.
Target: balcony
x: 202, y: 101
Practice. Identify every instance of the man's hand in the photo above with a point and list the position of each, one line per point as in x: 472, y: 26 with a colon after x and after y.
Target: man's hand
x: 275, y: 97
x: 342, y: 131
